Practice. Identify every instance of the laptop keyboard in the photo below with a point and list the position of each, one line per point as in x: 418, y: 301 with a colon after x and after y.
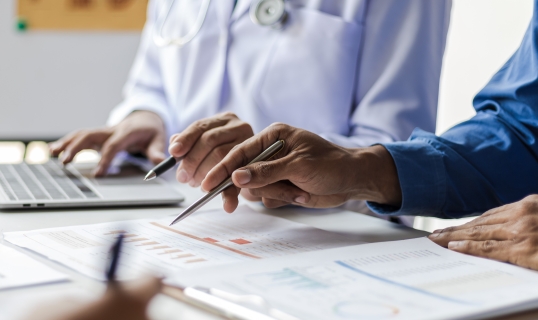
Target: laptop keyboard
x: 49, y: 181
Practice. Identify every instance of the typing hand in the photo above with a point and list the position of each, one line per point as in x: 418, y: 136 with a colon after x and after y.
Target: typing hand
x: 309, y: 171
x: 205, y: 143
x: 119, y: 302
x: 507, y: 233
x: 141, y: 131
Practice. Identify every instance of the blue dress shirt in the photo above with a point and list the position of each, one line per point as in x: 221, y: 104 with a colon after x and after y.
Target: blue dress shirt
x: 485, y: 162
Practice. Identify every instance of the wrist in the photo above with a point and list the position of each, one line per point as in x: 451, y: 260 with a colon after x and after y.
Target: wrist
x: 146, y: 115
x: 375, y: 176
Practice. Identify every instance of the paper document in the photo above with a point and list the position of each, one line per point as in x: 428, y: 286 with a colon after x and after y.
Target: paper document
x: 19, y: 270
x: 204, y: 239
x: 409, y: 279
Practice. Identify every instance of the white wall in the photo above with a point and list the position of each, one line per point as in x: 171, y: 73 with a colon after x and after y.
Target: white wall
x: 55, y: 82
x: 483, y: 34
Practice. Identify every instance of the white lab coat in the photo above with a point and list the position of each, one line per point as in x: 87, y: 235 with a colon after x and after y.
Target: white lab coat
x: 356, y: 72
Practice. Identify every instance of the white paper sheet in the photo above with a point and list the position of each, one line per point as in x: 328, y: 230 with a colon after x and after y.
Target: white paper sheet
x: 19, y: 270
x: 204, y: 239
x: 409, y: 279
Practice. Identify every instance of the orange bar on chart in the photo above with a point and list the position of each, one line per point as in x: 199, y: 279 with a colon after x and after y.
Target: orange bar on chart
x: 115, y: 232
x: 195, y: 260
x: 136, y: 239
x: 158, y: 247
x: 147, y: 243
x: 130, y: 235
x: 170, y: 251
x: 240, y: 241
x: 185, y: 255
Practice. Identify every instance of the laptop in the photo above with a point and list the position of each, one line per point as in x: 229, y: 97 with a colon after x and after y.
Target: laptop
x: 52, y: 185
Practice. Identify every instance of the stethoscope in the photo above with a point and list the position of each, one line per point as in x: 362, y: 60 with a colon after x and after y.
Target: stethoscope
x: 268, y: 13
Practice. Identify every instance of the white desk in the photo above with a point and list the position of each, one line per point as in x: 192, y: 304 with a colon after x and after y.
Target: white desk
x: 365, y: 228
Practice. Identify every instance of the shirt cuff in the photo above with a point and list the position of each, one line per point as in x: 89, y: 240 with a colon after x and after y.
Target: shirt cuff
x: 422, y: 176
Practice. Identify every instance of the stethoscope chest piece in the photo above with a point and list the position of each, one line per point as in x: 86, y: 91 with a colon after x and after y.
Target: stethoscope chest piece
x: 270, y: 13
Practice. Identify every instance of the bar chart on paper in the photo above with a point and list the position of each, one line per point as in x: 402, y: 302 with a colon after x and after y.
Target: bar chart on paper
x: 205, y: 239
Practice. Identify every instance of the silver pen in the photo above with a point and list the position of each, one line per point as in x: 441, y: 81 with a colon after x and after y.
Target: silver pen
x: 267, y: 154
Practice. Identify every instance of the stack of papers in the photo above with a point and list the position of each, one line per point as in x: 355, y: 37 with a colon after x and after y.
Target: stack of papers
x: 299, y: 270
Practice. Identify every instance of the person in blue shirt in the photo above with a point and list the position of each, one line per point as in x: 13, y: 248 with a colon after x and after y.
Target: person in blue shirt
x: 488, y: 161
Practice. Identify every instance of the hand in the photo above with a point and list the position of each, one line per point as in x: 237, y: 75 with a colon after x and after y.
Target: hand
x: 118, y: 302
x: 141, y: 131
x: 508, y: 233
x: 205, y: 143
x: 309, y: 171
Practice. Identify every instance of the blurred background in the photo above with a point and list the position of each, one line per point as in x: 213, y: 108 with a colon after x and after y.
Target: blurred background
x: 59, y: 74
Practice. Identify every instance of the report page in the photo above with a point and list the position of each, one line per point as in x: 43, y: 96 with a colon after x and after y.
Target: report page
x: 409, y: 279
x: 151, y: 246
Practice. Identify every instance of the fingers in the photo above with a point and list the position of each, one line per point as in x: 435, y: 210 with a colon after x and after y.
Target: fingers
x: 214, y: 157
x: 243, y: 153
x: 212, y: 145
x: 262, y: 173
x: 499, y: 217
x: 183, y: 142
x: 155, y: 149
x: 111, y: 147
x: 58, y: 146
x: 280, y: 193
x: 84, y: 140
x: 492, y: 249
x: 145, y: 289
x: 477, y: 233
x: 245, y: 193
x: 230, y: 199
x: 272, y: 204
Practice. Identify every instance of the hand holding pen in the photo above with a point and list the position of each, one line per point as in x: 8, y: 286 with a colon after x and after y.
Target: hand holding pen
x: 202, y: 145
x: 310, y: 171
x: 120, y: 301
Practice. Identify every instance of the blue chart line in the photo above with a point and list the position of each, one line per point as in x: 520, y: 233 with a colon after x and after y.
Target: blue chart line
x: 345, y: 265
x: 285, y: 278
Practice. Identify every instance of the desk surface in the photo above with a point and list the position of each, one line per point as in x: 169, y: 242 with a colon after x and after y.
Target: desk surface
x: 19, y: 301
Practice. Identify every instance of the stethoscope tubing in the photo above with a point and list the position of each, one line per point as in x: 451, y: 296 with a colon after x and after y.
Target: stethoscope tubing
x: 161, y: 41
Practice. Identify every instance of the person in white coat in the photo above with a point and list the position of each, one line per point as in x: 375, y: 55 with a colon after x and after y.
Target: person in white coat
x: 356, y: 72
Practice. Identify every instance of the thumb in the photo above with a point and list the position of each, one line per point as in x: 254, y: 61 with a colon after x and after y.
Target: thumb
x: 155, y: 149
x: 261, y: 173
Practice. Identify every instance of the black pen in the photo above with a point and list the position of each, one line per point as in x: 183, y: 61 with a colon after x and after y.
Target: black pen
x: 162, y: 168
x: 114, y: 259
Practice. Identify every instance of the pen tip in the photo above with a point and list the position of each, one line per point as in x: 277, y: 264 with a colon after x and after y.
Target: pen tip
x: 150, y: 176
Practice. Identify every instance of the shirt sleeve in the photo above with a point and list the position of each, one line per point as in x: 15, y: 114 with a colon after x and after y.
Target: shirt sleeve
x: 144, y: 89
x: 485, y: 162
x: 399, y: 71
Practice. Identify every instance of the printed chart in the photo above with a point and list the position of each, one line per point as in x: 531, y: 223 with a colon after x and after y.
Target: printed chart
x: 205, y: 239
x: 409, y: 279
